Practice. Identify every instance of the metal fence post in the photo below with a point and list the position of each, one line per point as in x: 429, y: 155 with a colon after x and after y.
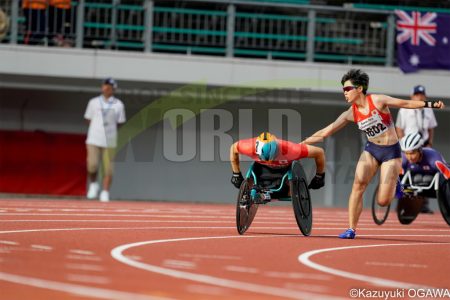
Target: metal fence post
x: 113, y: 35
x: 311, y: 35
x: 14, y: 20
x: 390, y: 41
x: 80, y: 25
x: 148, y: 23
x: 231, y: 15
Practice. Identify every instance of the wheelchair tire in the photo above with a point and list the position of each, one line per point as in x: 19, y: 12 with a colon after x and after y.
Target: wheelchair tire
x: 379, y: 213
x: 443, y: 196
x: 301, y: 199
x: 408, y: 208
x: 245, y: 207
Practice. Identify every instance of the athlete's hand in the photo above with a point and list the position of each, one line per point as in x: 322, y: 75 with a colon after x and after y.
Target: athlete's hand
x: 237, y: 179
x: 434, y: 104
x: 317, y: 182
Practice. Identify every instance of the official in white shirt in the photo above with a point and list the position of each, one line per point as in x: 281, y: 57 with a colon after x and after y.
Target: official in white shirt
x: 103, y: 113
x: 417, y: 120
x: 420, y: 120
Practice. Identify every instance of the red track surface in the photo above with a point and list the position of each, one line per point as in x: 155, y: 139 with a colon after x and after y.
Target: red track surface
x: 131, y: 250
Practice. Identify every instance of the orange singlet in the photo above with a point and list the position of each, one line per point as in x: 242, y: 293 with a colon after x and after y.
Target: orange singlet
x: 287, y: 153
x: 375, y: 123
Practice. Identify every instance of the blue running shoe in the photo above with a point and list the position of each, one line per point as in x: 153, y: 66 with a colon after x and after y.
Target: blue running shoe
x: 348, y: 234
x: 399, y: 190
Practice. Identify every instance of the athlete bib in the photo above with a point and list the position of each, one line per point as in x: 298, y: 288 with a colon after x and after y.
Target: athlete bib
x: 373, y: 124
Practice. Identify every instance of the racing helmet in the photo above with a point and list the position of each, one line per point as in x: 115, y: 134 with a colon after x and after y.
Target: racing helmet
x: 412, y: 141
x: 266, y: 146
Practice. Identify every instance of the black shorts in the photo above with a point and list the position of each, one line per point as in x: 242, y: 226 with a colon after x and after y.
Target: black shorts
x: 384, y: 153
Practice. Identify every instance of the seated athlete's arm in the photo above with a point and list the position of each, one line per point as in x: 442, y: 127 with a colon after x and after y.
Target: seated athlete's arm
x: 384, y: 100
x: 237, y: 177
x: 339, y: 123
x: 234, y: 158
x: 319, y: 156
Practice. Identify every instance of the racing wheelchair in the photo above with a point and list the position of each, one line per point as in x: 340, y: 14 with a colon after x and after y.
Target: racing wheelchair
x: 416, y: 189
x: 262, y: 186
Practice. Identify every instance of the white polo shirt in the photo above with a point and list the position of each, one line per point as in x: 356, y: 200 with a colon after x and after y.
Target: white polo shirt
x: 416, y: 120
x: 104, y: 116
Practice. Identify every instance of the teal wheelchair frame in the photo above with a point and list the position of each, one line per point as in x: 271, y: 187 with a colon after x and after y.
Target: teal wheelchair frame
x: 293, y: 187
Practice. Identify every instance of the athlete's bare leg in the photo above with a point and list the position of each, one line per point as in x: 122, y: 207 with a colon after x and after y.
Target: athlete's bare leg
x: 365, y: 170
x: 389, y: 172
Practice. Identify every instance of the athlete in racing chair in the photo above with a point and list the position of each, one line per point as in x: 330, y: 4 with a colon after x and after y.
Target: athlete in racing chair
x: 421, y: 162
x: 273, y: 157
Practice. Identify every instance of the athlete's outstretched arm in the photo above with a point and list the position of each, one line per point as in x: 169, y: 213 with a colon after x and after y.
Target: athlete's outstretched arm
x: 339, y: 123
x: 385, y: 100
x: 319, y: 156
x: 234, y: 158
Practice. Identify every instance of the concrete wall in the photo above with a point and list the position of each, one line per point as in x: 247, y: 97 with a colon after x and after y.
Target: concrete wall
x: 215, y: 71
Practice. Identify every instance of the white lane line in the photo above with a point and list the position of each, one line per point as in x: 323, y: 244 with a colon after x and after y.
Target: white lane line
x: 9, y: 243
x: 117, y: 253
x: 296, y: 275
x: 228, y: 216
x: 220, y: 227
x: 207, y: 256
x: 240, y: 269
x: 83, y: 257
x: 81, y: 290
x: 85, y: 267
x: 305, y: 259
x: 81, y: 252
x: 178, y: 264
x: 395, y: 265
x: 42, y: 247
x: 88, y: 279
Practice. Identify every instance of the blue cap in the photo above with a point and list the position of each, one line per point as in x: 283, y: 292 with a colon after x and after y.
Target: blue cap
x: 419, y: 89
x: 111, y: 82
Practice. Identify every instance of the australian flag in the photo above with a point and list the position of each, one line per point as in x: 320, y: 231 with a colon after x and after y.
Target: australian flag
x: 423, y: 40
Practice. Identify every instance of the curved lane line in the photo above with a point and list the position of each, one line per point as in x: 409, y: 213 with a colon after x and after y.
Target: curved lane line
x: 117, y: 253
x: 81, y: 290
x: 305, y: 259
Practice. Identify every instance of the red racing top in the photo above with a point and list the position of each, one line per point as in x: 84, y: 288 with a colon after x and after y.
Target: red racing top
x: 287, y: 152
x: 375, y: 123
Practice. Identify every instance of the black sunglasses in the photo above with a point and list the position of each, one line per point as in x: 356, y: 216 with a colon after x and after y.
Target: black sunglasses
x: 349, y: 88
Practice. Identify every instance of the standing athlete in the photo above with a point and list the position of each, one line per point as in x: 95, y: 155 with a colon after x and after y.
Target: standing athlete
x: 382, y: 150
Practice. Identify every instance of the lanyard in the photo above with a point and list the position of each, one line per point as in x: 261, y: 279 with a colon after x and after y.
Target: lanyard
x: 105, y: 107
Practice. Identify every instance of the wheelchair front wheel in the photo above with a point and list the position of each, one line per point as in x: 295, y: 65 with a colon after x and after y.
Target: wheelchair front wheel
x: 379, y: 213
x: 443, y: 196
x: 245, y: 207
x: 301, y: 199
x: 408, y: 208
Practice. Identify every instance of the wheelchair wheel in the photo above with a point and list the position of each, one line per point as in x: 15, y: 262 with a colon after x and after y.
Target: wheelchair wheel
x: 245, y: 207
x: 408, y: 208
x: 301, y: 199
x: 443, y: 196
x: 379, y: 213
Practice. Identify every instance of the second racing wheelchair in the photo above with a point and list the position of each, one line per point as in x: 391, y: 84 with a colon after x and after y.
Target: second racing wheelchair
x: 416, y: 189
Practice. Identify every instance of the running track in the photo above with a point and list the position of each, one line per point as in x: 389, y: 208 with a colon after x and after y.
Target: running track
x: 146, y: 250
